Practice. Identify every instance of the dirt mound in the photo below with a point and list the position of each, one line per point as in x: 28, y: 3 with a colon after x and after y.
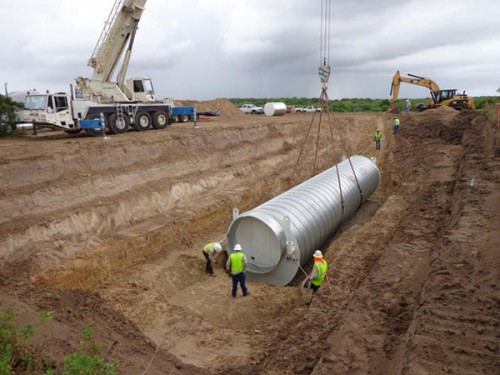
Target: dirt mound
x: 444, y: 108
x: 227, y: 109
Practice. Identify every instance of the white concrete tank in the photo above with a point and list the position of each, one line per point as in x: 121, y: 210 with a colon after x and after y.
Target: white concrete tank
x: 275, y: 109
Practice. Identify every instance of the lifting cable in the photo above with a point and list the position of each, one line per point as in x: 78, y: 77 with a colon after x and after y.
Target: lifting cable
x: 324, y: 101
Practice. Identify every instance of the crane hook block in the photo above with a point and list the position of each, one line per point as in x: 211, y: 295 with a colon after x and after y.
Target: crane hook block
x: 324, y: 73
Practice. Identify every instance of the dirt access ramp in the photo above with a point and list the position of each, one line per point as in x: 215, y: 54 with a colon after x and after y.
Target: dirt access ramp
x: 111, y: 236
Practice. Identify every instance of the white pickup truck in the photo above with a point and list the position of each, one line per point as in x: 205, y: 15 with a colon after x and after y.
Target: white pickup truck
x: 312, y: 108
x: 250, y: 108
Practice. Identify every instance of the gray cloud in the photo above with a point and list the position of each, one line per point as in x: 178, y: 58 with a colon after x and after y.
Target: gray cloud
x: 203, y: 49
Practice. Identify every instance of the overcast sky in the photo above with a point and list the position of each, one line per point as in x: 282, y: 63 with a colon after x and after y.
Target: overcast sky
x: 207, y: 49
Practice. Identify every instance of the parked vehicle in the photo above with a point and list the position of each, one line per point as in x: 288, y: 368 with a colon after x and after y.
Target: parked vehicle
x: 290, y: 109
x: 118, y: 105
x: 299, y: 110
x: 183, y: 114
x: 312, y: 108
x: 252, y: 109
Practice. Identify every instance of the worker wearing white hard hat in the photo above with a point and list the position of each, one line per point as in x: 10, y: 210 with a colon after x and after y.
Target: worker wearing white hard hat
x: 236, y: 266
x: 209, y: 252
x: 318, y: 274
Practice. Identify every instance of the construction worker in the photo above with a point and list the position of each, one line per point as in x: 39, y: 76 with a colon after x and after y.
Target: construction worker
x: 395, y: 130
x: 317, y: 275
x: 408, y: 107
x: 208, y: 252
x: 377, y: 138
x: 236, y: 266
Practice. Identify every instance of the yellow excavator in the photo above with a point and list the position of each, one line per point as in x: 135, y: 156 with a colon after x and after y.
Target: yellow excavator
x: 440, y: 97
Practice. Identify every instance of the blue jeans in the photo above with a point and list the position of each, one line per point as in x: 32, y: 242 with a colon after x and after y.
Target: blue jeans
x: 239, y: 278
x: 395, y: 131
x: 377, y: 144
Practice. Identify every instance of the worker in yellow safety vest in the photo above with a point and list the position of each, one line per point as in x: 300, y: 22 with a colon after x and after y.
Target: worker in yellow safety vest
x: 377, y: 138
x: 317, y: 275
x: 236, y: 267
x: 209, y: 251
x: 395, y: 130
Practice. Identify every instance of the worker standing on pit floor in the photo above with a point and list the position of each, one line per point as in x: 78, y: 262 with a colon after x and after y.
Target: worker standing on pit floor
x: 236, y: 266
x: 377, y: 138
x: 317, y: 275
x: 395, y: 130
x: 208, y: 252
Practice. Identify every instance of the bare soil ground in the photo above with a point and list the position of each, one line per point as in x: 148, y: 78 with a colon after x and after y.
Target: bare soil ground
x: 108, y: 234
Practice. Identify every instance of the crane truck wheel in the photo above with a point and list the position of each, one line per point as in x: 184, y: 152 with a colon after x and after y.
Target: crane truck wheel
x: 184, y: 118
x: 118, y: 125
x: 160, y: 120
x: 143, y: 121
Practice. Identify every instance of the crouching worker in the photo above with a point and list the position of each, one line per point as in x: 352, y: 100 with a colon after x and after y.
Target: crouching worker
x: 236, y: 266
x: 317, y: 275
x: 208, y: 252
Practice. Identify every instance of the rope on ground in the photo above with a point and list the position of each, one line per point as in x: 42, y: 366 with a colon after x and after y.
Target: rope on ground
x: 154, y: 356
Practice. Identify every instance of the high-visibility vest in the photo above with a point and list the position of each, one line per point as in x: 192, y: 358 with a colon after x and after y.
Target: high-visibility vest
x: 209, y: 249
x: 321, y: 267
x: 378, y: 136
x: 396, y: 122
x: 237, y: 264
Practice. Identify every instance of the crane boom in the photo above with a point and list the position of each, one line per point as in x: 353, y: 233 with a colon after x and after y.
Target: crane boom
x: 119, y: 29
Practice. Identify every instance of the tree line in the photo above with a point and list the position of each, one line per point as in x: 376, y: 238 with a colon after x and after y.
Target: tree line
x: 355, y: 104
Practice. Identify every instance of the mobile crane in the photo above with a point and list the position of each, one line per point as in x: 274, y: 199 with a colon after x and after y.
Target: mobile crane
x: 439, y: 97
x: 124, y: 103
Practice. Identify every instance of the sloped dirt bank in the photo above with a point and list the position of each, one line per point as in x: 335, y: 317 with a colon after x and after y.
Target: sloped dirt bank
x: 109, y: 234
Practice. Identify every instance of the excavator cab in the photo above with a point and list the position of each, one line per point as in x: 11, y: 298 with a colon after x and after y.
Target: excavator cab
x: 442, y: 95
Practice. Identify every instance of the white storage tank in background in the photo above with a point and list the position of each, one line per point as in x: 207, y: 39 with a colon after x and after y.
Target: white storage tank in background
x: 275, y: 109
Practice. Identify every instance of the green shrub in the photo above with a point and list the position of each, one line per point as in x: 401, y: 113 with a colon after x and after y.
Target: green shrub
x: 7, y: 115
x: 90, y: 361
x: 17, y: 358
x: 14, y: 351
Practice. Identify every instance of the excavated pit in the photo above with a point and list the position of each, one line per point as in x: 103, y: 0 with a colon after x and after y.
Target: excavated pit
x: 109, y: 234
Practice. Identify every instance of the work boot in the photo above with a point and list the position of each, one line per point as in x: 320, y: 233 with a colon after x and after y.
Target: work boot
x: 248, y: 293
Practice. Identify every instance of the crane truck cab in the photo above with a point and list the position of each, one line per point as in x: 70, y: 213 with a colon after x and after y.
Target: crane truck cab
x: 50, y: 110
